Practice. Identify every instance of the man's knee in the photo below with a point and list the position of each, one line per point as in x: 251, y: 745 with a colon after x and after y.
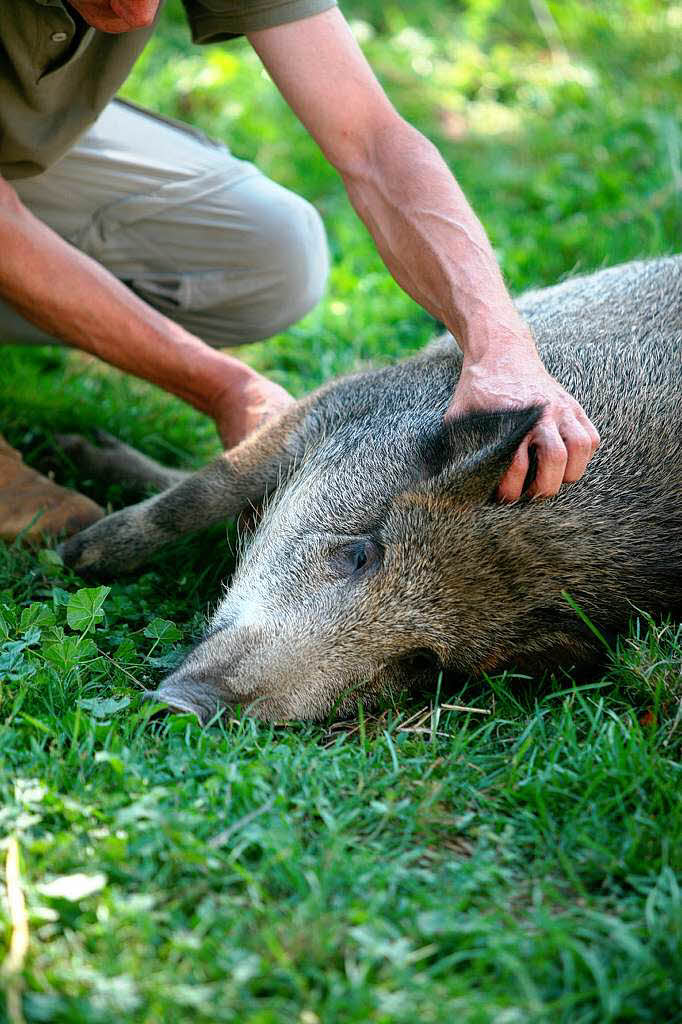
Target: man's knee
x: 286, y: 258
x: 231, y: 260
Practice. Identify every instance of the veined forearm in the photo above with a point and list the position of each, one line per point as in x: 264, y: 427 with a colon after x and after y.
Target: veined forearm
x: 431, y: 240
x: 72, y: 297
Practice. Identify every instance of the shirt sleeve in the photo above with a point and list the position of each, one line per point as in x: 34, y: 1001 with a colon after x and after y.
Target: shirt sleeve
x: 213, y: 21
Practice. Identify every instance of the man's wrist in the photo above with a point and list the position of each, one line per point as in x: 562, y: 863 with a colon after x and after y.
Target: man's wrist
x: 213, y: 377
x: 493, y: 332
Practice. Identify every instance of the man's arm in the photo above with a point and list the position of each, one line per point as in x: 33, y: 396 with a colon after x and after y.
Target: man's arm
x: 428, y: 236
x: 69, y: 295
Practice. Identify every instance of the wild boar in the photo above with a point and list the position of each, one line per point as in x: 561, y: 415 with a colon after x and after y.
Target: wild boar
x: 382, y: 555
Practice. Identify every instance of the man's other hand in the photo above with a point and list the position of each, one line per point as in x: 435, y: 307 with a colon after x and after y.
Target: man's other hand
x: 245, y: 404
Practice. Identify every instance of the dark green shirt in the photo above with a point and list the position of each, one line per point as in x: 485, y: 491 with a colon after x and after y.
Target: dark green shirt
x: 57, y: 74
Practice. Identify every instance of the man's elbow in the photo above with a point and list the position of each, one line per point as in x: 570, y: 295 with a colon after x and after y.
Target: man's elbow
x: 352, y: 152
x: 362, y: 153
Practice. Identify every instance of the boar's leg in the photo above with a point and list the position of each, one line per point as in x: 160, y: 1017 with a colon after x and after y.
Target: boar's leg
x: 111, y: 459
x: 236, y: 480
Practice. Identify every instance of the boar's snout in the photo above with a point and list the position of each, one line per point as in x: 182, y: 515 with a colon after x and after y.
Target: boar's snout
x: 219, y: 672
x: 182, y: 694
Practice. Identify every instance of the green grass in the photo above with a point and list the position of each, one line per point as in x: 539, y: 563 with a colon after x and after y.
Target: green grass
x: 521, y: 866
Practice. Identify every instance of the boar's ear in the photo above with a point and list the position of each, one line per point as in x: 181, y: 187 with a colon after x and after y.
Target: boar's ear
x: 470, y: 455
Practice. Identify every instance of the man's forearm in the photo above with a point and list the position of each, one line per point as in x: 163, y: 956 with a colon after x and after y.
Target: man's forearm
x: 428, y: 236
x: 72, y: 297
x: 423, y: 226
x: 431, y: 240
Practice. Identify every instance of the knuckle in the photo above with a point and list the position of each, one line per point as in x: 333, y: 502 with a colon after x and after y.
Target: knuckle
x: 556, y: 454
x: 572, y: 475
x: 590, y: 429
x: 579, y: 444
x: 551, y: 469
x: 547, y: 484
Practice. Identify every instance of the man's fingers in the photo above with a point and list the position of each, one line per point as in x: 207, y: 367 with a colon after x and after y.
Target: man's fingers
x: 511, y: 484
x: 552, y: 460
x: 580, y: 447
x: 592, y: 433
x: 562, y: 457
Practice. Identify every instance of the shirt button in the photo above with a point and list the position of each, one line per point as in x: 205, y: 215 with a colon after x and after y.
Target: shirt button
x: 58, y: 37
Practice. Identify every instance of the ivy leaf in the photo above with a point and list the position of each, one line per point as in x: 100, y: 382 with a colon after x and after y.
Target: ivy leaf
x: 84, y: 609
x: 60, y: 597
x: 11, y: 656
x: 102, y: 707
x: 32, y: 635
x: 163, y: 630
x: 40, y: 615
x: 68, y: 652
x: 171, y: 659
x: 8, y: 620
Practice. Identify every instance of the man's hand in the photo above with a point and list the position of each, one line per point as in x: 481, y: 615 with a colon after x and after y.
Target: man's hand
x: 242, y: 407
x: 564, y: 438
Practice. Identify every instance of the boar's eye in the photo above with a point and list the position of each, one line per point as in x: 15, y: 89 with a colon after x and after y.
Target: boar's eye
x: 357, y: 559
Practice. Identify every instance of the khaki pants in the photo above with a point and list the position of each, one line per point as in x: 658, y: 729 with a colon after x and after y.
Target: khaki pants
x: 204, y: 237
